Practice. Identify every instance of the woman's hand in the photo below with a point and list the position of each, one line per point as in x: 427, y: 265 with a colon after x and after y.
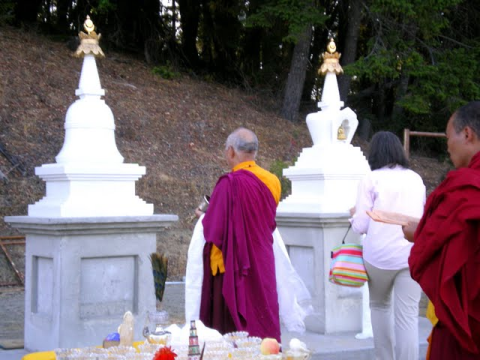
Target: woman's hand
x: 352, y: 211
x: 409, y: 230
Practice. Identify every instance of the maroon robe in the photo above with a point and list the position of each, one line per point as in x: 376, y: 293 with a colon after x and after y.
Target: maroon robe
x: 445, y: 260
x: 240, y: 221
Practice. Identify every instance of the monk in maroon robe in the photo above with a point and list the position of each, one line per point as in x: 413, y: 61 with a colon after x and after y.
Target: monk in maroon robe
x: 445, y: 258
x: 239, y: 222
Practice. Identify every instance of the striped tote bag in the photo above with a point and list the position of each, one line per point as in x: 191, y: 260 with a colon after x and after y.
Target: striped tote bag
x: 346, y: 267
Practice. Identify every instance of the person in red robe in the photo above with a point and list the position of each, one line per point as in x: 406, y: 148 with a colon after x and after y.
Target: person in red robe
x: 239, y: 290
x: 445, y: 257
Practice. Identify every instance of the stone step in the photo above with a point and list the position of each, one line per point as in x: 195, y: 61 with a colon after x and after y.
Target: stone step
x: 345, y: 346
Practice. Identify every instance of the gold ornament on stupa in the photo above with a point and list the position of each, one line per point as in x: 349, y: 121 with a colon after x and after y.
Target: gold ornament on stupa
x: 341, y: 133
x: 331, y: 60
x: 89, y: 40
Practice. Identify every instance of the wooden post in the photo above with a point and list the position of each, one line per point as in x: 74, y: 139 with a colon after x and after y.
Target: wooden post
x: 406, y: 142
x: 406, y: 138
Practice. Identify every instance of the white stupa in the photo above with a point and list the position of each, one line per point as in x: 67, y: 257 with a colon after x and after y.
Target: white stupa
x: 89, y: 240
x: 314, y: 218
x: 325, y: 176
x: 89, y: 177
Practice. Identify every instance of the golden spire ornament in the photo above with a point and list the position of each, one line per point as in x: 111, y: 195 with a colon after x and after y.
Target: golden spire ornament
x: 89, y: 40
x: 88, y: 26
x: 331, y: 60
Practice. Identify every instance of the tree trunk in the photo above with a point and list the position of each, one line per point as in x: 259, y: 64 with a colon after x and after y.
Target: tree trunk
x: 296, y: 76
x: 174, y: 22
x: 379, y: 102
x: 189, y: 19
x: 47, y: 14
x: 316, y: 49
x: 251, y: 51
x: 62, y: 13
x: 251, y: 47
x: 402, y: 88
x: 401, y: 91
x: 152, y: 31
x: 350, y: 48
x: 226, y: 37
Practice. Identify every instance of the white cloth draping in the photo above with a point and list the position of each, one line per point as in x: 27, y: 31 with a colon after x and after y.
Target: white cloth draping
x: 293, y: 296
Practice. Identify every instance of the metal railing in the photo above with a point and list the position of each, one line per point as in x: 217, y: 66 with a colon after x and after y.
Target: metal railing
x: 406, y: 138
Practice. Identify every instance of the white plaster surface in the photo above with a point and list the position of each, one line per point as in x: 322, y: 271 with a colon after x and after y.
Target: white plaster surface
x: 89, y: 123
x: 314, y: 217
x: 323, y: 126
x: 89, y: 177
x: 81, y: 277
x: 80, y: 190
x: 330, y: 93
x: 89, y: 240
x: 309, y: 240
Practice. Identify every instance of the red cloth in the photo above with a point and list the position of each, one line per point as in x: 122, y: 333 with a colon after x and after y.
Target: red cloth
x: 240, y: 221
x: 214, y: 313
x: 445, y: 257
x: 443, y: 346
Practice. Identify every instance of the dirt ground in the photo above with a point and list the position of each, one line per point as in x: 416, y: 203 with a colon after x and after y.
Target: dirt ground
x: 175, y: 128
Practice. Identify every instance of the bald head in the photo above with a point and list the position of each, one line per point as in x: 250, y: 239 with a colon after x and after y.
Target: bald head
x: 241, y: 145
x: 463, y: 134
x: 468, y: 115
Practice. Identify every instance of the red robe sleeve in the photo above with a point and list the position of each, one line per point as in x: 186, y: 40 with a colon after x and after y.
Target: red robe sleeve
x: 445, y: 258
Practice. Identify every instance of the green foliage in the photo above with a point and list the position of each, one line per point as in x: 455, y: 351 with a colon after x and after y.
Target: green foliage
x: 420, y: 66
x: 277, y: 168
x: 375, y: 67
x: 443, y: 87
x: 104, y: 7
x: 6, y: 12
x: 166, y: 72
x: 451, y: 82
x: 296, y: 14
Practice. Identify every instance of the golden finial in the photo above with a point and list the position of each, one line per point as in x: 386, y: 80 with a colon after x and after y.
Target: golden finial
x: 331, y: 47
x: 89, y: 40
x: 88, y: 25
x: 331, y: 60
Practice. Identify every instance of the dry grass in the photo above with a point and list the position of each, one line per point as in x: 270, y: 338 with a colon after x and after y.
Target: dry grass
x: 175, y: 128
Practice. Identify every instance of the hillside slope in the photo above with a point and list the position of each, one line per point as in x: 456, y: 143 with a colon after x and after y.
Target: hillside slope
x: 176, y: 128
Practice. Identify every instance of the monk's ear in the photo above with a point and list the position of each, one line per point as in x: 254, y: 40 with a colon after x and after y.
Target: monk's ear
x: 230, y: 152
x: 470, y: 135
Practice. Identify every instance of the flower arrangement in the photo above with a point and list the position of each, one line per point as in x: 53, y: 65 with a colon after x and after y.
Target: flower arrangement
x: 165, y: 353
